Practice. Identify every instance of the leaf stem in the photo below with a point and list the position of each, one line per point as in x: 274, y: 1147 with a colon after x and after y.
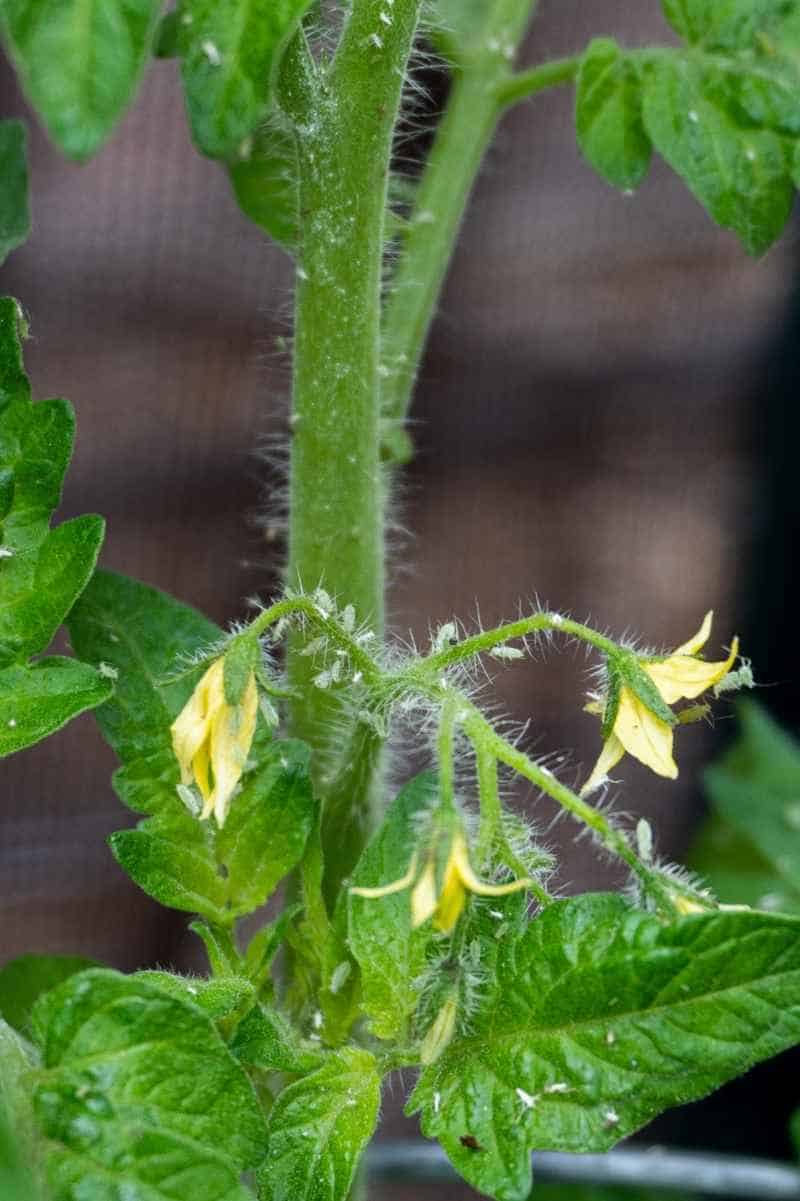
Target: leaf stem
x: 529, y: 83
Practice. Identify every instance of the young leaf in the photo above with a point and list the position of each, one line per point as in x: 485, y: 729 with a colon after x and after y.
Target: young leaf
x: 79, y: 63
x: 230, y: 52
x: 264, y: 181
x: 389, y: 953
x: 15, y: 221
x: 318, y: 1129
x: 264, y: 1039
x: 23, y: 980
x: 608, y: 115
x: 602, y: 1018
x: 139, y: 1092
x: 220, y: 999
x: 38, y: 700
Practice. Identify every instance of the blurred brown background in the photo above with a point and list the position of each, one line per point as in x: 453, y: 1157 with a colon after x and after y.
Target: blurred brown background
x: 584, y: 424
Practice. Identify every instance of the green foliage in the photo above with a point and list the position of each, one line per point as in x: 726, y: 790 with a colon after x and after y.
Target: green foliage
x: 18, y: 1144
x: 265, y: 1039
x: 264, y: 181
x: 230, y: 51
x: 750, y: 850
x: 318, y: 1129
x: 24, y: 979
x: 608, y: 115
x: 42, y: 570
x: 182, y: 862
x: 724, y: 112
x: 15, y: 221
x: 140, y: 1095
x: 602, y: 1018
x: 79, y: 62
x: 389, y: 953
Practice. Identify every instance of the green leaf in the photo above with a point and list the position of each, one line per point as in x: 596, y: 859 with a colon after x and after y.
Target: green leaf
x: 13, y: 380
x: 24, y: 979
x: 19, y: 1152
x: 15, y: 220
x: 389, y: 953
x: 230, y: 53
x: 264, y: 181
x: 602, y: 1018
x: 265, y: 1039
x: 38, y: 587
x: 755, y: 791
x: 268, y: 825
x: 608, y: 115
x: 79, y: 62
x: 701, y: 116
x: 140, y: 1094
x: 223, y: 998
x: 146, y: 637
x: 172, y: 859
x: 726, y: 24
x: 737, y: 873
x: 182, y: 862
x: 38, y: 700
x: 318, y: 1129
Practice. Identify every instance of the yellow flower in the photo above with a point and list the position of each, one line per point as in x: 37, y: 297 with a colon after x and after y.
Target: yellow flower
x: 442, y: 900
x: 211, y: 739
x: 640, y: 731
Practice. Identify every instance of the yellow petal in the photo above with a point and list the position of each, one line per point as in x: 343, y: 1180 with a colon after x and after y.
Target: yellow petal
x: 232, y: 731
x: 682, y: 676
x: 451, y: 899
x: 192, y: 726
x: 610, y: 755
x: 699, y: 640
x: 423, y: 895
x: 200, y: 774
x: 645, y: 736
x: 459, y: 857
x: 386, y: 890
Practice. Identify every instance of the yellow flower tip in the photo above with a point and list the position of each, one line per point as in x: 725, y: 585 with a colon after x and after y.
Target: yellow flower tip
x: 211, y: 739
x: 698, y: 641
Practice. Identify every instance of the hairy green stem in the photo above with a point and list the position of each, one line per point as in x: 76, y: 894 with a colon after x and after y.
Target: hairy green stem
x: 483, y: 87
x: 336, y: 530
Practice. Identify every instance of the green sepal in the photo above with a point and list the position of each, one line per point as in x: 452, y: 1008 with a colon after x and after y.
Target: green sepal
x: 389, y: 953
x: 626, y: 665
x: 24, y: 979
x: 265, y: 1039
x: 333, y: 1110
x: 608, y: 114
x: 238, y: 666
x: 611, y: 705
x: 264, y: 179
x: 15, y: 218
x: 79, y: 64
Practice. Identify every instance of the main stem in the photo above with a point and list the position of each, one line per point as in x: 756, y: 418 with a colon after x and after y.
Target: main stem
x: 345, y: 117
